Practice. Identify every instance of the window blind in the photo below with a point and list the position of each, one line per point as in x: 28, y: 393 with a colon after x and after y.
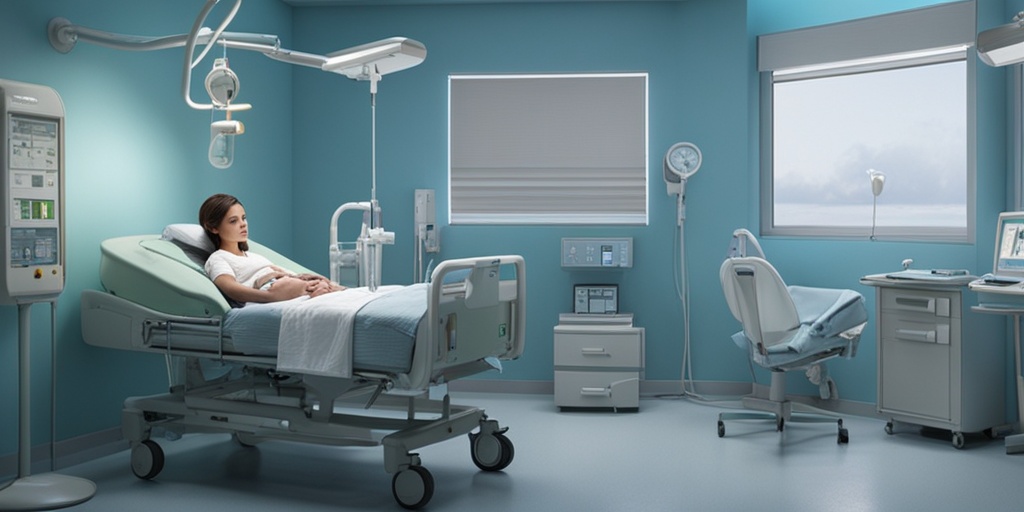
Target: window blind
x: 548, y: 149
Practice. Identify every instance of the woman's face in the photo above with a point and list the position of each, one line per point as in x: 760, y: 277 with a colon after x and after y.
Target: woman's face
x: 233, y: 228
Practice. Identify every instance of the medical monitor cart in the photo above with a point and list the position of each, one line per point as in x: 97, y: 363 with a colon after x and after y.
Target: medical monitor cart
x: 32, y: 189
x: 598, y: 352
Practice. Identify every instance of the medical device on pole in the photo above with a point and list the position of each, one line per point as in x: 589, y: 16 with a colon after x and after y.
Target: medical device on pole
x: 682, y: 161
x: 32, y: 187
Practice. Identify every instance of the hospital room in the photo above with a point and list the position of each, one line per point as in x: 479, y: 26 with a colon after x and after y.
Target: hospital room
x: 591, y: 255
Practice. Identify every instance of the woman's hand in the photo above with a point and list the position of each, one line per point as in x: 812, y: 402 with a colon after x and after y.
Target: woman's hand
x: 320, y: 285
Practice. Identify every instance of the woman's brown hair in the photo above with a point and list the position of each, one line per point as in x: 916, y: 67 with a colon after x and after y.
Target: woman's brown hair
x: 212, y: 213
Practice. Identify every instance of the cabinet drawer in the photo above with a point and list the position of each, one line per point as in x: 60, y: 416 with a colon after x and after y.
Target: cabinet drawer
x: 597, y: 389
x: 619, y: 349
x: 933, y: 303
x: 915, y: 379
x: 923, y: 328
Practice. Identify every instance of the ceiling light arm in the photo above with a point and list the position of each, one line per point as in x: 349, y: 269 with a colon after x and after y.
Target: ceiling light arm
x: 397, y: 53
x: 190, y: 44
x: 64, y: 35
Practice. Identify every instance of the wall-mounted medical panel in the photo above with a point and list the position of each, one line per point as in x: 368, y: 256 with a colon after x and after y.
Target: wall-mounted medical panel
x: 32, y: 166
x: 597, y: 253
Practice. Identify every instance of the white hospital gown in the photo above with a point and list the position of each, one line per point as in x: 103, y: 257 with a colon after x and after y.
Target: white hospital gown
x: 245, y: 269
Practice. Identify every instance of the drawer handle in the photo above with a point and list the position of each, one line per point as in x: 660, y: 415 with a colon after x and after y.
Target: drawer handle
x: 916, y: 304
x: 587, y: 351
x: 596, y: 391
x: 915, y: 335
x: 938, y: 335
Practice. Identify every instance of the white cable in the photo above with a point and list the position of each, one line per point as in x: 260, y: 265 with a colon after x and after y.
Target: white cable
x: 680, y: 274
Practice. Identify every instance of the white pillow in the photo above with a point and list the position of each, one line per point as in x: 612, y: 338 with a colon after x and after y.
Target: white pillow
x: 190, y: 235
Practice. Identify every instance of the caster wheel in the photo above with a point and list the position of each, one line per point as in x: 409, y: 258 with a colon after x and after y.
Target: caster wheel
x: 491, y: 452
x: 844, y: 436
x: 889, y: 428
x: 413, y: 487
x: 147, y: 459
x: 958, y: 440
x: 721, y: 428
x: 780, y: 424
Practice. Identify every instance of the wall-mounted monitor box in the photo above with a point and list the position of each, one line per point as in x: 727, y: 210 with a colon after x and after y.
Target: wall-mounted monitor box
x: 597, y: 253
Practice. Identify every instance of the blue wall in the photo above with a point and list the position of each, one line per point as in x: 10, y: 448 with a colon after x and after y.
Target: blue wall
x: 137, y: 161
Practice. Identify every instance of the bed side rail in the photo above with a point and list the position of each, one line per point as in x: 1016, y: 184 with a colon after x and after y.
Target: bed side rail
x: 476, y: 310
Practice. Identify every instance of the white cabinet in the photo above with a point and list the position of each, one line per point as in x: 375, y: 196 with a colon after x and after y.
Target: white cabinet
x: 599, y: 361
x: 939, y: 364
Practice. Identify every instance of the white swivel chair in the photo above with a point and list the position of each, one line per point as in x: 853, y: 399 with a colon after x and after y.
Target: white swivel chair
x: 787, y: 328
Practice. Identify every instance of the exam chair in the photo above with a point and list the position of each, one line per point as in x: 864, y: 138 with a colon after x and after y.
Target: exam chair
x: 787, y: 328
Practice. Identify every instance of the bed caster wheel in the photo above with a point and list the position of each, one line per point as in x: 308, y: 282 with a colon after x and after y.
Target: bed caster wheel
x: 780, y: 424
x: 491, y: 452
x: 889, y: 428
x: 721, y: 428
x: 147, y: 459
x: 844, y: 434
x: 958, y: 440
x: 413, y: 487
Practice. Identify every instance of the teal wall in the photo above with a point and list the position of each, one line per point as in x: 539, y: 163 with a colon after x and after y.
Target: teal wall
x: 137, y: 161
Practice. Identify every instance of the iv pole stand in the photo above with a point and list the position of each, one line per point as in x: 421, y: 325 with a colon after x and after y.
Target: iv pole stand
x: 40, y: 492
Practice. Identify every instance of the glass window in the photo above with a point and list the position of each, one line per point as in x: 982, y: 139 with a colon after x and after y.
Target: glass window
x: 829, y: 132
x: 890, y: 95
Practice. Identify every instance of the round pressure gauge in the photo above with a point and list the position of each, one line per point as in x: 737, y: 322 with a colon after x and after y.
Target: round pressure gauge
x: 683, y: 159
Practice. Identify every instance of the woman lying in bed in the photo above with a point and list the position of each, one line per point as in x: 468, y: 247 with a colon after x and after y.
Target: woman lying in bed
x: 244, y: 276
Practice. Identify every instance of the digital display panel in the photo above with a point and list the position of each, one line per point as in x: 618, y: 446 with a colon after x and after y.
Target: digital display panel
x: 1010, y: 257
x: 35, y: 209
x: 34, y: 246
x: 33, y: 143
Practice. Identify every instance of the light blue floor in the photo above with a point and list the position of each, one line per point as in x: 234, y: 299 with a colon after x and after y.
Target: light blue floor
x: 667, y: 457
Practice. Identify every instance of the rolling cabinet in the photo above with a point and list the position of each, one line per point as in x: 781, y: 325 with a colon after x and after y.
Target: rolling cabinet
x: 940, y: 365
x: 599, y: 361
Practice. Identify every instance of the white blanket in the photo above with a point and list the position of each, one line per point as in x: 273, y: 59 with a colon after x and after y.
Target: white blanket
x: 316, y: 334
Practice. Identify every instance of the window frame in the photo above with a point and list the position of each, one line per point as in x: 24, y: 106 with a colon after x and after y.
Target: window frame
x: 838, y: 49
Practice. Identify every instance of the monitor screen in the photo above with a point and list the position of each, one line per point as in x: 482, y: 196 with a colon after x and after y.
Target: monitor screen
x: 1010, y: 245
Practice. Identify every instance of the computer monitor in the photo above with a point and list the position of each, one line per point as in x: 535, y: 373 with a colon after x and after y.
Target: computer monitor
x: 1009, y: 257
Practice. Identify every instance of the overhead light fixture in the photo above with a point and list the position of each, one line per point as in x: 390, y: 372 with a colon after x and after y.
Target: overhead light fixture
x: 368, y: 62
x: 1003, y: 45
x: 383, y: 57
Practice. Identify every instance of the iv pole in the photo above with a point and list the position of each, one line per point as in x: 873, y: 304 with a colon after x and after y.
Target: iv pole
x: 36, y: 492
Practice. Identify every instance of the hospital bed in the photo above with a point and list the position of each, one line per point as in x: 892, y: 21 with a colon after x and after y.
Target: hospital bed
x: 226, y: 370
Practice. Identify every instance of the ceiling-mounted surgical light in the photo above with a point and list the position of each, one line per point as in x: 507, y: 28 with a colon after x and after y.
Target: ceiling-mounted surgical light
x: 222, y: 84
x: 385, y: 56
x: 365, y: 62
x: 1003, y: 45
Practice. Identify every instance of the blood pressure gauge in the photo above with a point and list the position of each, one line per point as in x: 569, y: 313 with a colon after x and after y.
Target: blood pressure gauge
x: 683, y: 159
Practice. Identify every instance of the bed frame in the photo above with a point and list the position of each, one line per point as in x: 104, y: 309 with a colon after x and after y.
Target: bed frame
x: 156, y: 300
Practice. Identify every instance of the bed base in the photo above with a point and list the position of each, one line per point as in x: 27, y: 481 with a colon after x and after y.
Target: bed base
x: 262, y: 405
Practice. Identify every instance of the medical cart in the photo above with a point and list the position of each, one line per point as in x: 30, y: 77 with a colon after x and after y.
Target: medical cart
x: 940, y: 364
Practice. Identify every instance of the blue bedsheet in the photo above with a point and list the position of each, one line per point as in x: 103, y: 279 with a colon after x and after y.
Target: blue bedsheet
x: 384, y: 332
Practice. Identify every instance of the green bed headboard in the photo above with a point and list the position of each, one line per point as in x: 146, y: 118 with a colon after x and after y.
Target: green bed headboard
x: 157, y: 274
